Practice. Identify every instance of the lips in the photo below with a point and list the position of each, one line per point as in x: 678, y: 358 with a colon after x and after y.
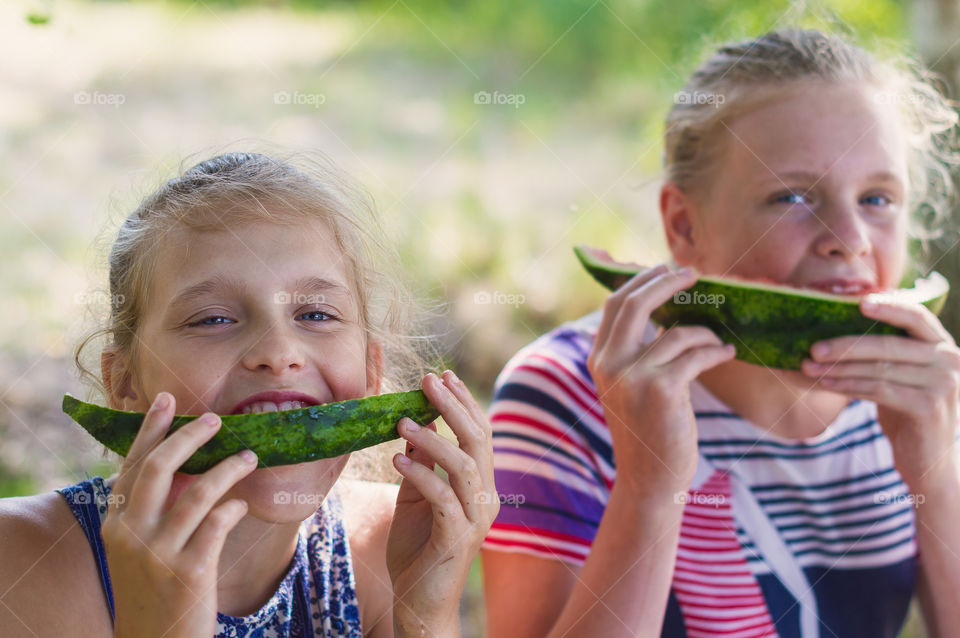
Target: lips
x: 274, y: 401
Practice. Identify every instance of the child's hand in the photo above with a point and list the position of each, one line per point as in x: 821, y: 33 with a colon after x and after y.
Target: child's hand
x: 645, y: 388
x: 437, y: 528
x: 163, y: 565
x: 914, y: 380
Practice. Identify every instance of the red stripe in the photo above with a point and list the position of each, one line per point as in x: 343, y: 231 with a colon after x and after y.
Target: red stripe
x: 720, y: 574
x: 718, y: 547
x: 752, y: 586
x: 577, y: 380
x: 537, y: 531
x: 513, y: 417
x: 732, y: 561
x: 543, y: 548
x: 542, y: 372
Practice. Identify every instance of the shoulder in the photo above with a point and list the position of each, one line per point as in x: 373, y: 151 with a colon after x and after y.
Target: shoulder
x: 367, y: 512
x: 48, y: 567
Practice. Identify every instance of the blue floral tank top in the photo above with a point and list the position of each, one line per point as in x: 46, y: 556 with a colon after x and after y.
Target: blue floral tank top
x: 317, y: 597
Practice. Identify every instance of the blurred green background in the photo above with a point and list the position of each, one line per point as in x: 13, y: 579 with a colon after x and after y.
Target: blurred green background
x: 493, y: 135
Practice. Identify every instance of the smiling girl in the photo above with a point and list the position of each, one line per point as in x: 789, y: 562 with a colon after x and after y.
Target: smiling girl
x: 671, y: 490
x: 247, y: 284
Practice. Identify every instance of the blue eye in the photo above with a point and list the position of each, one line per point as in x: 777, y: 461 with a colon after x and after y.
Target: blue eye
x: 210, y: 321
x: 790, y: 198
x: 317, y: 315
x: 877, y: 200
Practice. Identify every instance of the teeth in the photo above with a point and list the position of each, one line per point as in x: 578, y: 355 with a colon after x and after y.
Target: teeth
x: 270, y: 406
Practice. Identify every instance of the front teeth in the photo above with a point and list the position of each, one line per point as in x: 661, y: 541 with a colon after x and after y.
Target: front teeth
x: 270, y: 406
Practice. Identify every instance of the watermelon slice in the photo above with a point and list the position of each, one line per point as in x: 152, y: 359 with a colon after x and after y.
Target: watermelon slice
x: 769, y: 324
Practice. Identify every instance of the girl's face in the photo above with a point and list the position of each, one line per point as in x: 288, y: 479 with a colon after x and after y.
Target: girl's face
x: 254, y: 318
x: 809, y: 190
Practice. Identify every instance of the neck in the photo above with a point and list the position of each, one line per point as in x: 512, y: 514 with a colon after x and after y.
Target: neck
x: 781, y: 402
x: 255, y: 558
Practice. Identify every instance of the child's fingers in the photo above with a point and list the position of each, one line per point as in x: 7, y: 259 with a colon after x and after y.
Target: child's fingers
x: 465, y: 397
x: 152, y: 484
x: 155, y: 424
x: 469, y: 433
x: 207, y: 542
x: 196, y: 503
x: 611, y: 307
x: 461, y: 468
x: 443, y: 501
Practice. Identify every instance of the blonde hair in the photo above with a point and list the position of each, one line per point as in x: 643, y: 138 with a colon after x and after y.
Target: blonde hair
x: 237, y: 188
x: 733, y: 80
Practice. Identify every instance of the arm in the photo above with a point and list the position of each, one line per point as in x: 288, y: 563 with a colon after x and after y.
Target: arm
x: 623, y: 585
x: 938, y: 540
x: 48, y: 579
x: 915, y: 382
x: 643, y: 388
x: 368, y: 510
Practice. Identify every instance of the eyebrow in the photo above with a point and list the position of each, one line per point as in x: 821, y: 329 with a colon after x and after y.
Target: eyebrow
x: 810, y: 176
x: 220, y: 282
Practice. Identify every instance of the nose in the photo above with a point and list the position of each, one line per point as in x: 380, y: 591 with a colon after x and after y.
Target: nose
x: 844, y: 234
x: 274, y: 349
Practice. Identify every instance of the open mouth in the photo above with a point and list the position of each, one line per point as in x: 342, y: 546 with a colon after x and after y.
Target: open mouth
x: 275, y: 401
x: 270, y: 406
x: 846, y: 288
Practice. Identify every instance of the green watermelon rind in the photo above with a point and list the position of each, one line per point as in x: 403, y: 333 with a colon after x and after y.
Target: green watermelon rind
x: 278, y: 438
x: 769, y: 324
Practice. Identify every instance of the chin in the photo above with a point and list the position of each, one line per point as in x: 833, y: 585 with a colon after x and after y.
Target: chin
x: 288, y: 493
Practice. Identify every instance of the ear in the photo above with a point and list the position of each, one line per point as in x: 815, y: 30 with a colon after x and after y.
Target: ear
x: 677, y: 210
x: 374, y: 365
x: 118, y: 380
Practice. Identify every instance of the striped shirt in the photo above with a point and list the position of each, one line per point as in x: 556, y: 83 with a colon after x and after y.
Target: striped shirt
x: 835, y: 501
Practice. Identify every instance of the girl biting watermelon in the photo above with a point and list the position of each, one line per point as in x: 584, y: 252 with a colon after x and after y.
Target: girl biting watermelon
x: 661, y: 487
x: 246, y: 284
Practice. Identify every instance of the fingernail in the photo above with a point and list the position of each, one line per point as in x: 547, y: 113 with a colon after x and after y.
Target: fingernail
x: 868, y: 305
x: 249, y: 456
x: 403, y: 460
x: 411, y: 426
x: 210, y: 419
x: 162, y: 401
x: 820, y: 349
x: 454, y: 377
